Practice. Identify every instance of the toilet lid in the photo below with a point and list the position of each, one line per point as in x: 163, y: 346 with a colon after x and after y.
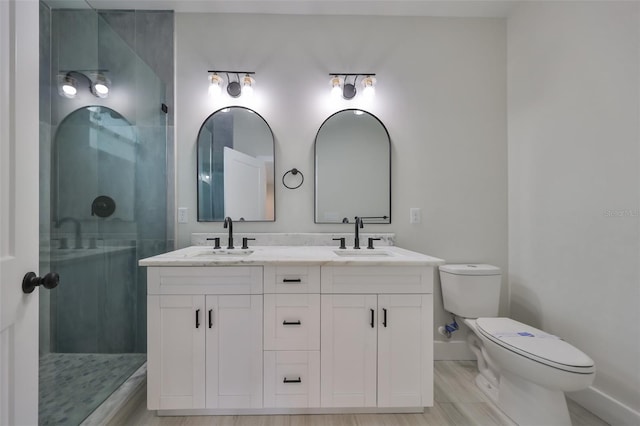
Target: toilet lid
x: 535, y: 344
x: 470, y: 269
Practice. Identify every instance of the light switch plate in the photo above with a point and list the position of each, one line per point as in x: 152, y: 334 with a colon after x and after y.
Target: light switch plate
x: 182, y: 215
x: 415, y: 215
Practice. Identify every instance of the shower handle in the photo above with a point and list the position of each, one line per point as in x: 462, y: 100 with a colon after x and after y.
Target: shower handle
x: 31, y: 281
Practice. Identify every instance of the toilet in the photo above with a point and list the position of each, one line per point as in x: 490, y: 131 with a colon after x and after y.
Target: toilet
x: 525, y: 371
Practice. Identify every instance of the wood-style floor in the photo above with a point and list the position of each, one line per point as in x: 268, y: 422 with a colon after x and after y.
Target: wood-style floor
x: 458, y: 402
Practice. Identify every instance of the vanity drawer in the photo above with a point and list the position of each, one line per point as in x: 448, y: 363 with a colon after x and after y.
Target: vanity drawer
x: 291, y: 322
x: 292, y: 379
x: 291, y: 279
x: 205, y: 280
x: 377, y: 279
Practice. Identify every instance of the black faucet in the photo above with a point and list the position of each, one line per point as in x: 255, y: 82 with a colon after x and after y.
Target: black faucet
x: 76, y: 224
x: 356, y: 240
x: 228, y: 223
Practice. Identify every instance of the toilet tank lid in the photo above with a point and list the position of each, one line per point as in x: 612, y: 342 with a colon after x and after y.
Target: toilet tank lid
x: 471, y: 269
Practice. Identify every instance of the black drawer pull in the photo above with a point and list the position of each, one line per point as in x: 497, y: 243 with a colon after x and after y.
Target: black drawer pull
x: 210, y: 318
x: 197, y: 318
x: 384, y: 317
x: 298, y: 380
x: 292, y: 280
x: 285, y: 322
x: 372, y: 314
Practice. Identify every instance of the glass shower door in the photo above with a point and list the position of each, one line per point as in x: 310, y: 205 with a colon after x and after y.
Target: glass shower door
x: 107, y: 206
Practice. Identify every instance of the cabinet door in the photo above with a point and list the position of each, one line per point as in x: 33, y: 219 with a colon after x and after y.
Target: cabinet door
x: 348, y: 355
x: 176, y: 346
x: 405, y: 351
x: 234, y: 351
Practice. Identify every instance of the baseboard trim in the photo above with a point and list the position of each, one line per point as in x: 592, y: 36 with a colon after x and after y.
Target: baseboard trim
x: 607, y: 408
x: 288, y: 411
x: 452, y: 350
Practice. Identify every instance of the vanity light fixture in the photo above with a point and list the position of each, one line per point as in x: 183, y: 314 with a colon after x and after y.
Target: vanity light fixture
x: 235, y: 86
x: 342, y: 85
x: 68, y: 82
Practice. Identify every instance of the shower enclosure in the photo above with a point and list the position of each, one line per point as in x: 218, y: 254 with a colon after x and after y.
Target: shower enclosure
x: 104, y: 185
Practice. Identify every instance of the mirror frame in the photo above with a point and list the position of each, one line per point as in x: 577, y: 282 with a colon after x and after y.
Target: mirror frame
x: 315, y: 169
x: 273, y: 143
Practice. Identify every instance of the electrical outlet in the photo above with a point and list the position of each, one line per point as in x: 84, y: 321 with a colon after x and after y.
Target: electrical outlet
x: 182, y: 215
x: 414, y: 215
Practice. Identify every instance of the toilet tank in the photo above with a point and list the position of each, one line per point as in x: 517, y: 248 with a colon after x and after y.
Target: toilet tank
x: 471, y: 290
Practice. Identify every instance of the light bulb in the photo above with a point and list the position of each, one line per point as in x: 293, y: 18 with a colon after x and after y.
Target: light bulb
x: 215, y: 85
x: 67, y: 86
x: 99, y: 84
x: 101, y: 89
x: 247, y: 86
x: 69, y: 90
x: 336, y: 89
x: 369, y: 87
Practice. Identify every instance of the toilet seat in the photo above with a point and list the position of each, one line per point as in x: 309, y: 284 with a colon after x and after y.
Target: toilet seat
x: 535, y: 344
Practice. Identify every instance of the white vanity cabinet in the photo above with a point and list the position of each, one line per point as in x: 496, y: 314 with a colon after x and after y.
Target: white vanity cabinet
x: 311, y: 333
x: 204, y: 338
x: 376, y: 337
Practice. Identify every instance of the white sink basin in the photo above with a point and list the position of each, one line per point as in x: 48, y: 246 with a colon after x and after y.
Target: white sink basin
x: 223, y: 253
x: 362, y: 253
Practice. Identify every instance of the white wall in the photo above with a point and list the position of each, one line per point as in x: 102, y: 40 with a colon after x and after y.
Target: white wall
x: 574, y: 195
x: 441, y: 94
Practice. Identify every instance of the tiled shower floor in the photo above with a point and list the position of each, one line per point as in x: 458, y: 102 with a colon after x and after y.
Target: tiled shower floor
x: 73, y: 385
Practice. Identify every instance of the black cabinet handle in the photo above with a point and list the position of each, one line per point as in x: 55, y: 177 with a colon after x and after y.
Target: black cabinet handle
x: 372, y: 314
x: 285, y: 322
x: 298, y: 380
x: 197, y: 318
x: 384, y: 317
x: 210, y: 318
x: 291, y: 280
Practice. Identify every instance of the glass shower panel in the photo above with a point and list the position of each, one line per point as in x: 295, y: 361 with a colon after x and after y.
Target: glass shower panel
x: 108, y: 208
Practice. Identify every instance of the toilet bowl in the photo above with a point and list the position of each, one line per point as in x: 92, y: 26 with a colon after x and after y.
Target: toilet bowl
x: 525, y: 371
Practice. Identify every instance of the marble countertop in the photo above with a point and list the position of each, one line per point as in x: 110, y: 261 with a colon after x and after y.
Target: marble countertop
x: 292, y: 255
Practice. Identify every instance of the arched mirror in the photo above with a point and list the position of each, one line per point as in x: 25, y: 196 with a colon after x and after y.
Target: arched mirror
x: 235, y: 167
x: 353, y: 169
